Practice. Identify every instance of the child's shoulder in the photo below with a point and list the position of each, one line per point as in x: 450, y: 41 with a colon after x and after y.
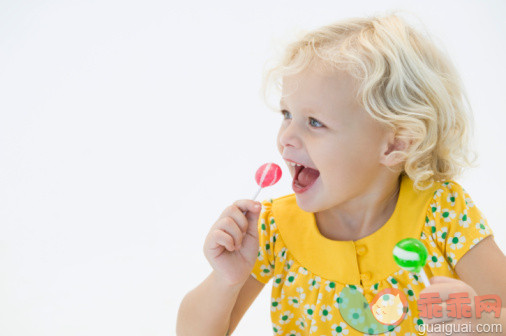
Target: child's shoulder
x: 449, y: 189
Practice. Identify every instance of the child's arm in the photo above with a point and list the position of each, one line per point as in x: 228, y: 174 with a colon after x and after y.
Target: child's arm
x: 213, y: 308
x: 247, y: 295
x: 484, y: 268
x: 231, y: 247
x: 482, y: 271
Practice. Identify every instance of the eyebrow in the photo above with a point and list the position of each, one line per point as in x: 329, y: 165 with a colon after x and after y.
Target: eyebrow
x: 283, y: 104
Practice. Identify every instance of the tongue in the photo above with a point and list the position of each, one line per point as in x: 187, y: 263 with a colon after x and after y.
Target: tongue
x: 307, y: 176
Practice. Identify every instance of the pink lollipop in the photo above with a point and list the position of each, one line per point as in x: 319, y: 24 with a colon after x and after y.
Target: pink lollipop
x: 267, y: 175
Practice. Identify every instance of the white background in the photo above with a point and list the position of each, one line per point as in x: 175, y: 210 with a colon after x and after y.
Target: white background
x: 126, y: 127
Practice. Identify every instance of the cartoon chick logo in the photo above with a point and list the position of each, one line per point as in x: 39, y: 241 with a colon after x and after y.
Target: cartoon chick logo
x: 388, y: 308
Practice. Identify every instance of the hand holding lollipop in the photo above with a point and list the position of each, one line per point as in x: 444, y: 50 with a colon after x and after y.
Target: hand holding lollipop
x: 411, y: 255
x: 231, y: 246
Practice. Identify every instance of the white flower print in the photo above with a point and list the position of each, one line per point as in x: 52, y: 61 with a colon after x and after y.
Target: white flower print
x: 448, y: 215
x: 356, y: 315
x: 441, y: 235
x: 450, y: 257
x: 260, y: 255
x: 372, y: 328
x: 340, y: 302
x: 340, y: 329
x: 464, y: 219
x: 354, y: 288
x: 302, y: 270
x: 475, y: 241
x: 394, y: 331
x: 469, y: 202
x: 417, y: 321
x: 435, y: 260
x: 263, y: 226
x: 410, y: 293
x: 293, y: 333
x: 293, y: 301
x: 288, y: 265
x: 320, y: 296
x: 438, y: 193
x: 430, y: 223
x: 275, y: 304
x: 452, y: 197
x: 393, y: 282
x: 314, y: 327
x: 314, y: 283
x: 448, y: 184
x: 374, y: 288
x: 330, y: 285
x: 456, y: 242
x: 302, y: 295
x: 301, y: 323
x: 408, y: 312
x: 277, y: 280
x: 285, y: 317
x: 415, y: 279
x: 276, y: 329
x: 290, y: 278
x: 430, y: 239
x: 282, y: 254
x: 272, y: 223
x: 309, y: 310
x: 482, y: 227
x: 435, y: 208
x: 325, y: 314
x: 266, y: 270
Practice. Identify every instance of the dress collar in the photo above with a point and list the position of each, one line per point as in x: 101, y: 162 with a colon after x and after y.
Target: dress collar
x: 369, y: 258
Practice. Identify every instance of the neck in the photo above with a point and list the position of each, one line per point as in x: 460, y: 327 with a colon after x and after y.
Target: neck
x: 363, y: 214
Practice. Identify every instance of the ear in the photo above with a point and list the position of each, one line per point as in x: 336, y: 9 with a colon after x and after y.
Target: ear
x: 393, y: 145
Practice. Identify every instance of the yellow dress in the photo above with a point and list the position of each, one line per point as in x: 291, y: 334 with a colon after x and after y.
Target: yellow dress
x: 309, y: 271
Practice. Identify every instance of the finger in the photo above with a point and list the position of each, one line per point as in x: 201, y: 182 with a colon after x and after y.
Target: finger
x: 446, y: 288
x: 223, y: 239
x: 228, y: 225
x: 238, y: 216
x: 248, y: 205
x: 253, y: 209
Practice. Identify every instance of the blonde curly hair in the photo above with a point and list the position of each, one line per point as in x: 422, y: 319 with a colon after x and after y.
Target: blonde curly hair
x: 406, y: 82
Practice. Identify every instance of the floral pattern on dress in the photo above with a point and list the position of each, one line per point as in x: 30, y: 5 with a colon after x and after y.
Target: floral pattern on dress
x: 304, y: 303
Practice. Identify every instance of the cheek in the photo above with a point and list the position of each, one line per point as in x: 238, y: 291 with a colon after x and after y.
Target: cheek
x: 278, y: 143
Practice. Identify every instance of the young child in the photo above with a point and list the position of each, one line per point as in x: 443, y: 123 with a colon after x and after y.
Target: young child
x: 375, y: 128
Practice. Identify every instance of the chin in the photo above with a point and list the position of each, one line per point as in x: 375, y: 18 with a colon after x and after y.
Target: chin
x: 308, y: 204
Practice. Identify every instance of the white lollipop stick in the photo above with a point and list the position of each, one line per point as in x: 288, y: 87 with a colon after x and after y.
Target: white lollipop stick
x: 425, y: 280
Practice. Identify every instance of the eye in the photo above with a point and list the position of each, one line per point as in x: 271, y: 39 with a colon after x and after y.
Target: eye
x: 286, y: 114
x: 315, y: 123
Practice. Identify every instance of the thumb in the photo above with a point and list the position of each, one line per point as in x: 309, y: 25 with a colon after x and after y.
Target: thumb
x: 253, y: 222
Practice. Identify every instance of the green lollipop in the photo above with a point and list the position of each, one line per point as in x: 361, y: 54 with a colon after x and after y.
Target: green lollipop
x: 411, y: 255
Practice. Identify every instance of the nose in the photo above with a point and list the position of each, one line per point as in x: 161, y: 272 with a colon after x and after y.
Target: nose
x: 289, y: 135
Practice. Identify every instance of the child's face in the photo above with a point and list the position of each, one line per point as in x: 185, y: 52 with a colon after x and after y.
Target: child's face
x: 326, y: 129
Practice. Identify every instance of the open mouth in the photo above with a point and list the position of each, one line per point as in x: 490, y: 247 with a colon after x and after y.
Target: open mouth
x: 304, y: 178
